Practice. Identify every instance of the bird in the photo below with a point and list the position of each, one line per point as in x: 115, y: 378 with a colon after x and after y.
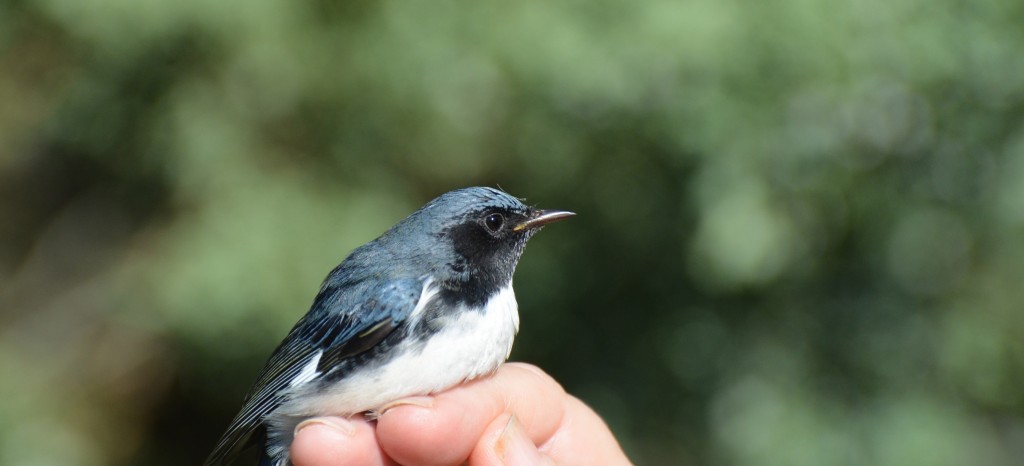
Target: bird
x: 424, y: 307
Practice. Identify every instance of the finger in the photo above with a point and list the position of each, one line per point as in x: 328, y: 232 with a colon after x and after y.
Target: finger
x: 448, y: 430
x: 583, y: 438
x: 336, y: 441
x: 505, y: 443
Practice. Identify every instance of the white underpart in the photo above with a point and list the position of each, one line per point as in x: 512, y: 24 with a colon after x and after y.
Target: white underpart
x: 470, y: 344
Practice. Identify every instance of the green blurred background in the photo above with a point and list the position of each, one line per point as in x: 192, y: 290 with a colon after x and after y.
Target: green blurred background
x: 800, y: 237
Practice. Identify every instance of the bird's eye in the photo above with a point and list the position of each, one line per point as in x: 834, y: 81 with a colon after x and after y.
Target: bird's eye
x: 493, y: 222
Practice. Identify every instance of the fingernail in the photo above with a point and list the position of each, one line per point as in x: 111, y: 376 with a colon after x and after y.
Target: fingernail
x: 340, y: 424
x: 421, y: 401
x: 514, y: 447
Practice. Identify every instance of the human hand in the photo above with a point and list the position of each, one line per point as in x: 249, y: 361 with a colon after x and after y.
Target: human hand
x: 518, y: 416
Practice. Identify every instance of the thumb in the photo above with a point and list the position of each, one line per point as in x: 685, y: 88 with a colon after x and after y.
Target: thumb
x: 506, y: 443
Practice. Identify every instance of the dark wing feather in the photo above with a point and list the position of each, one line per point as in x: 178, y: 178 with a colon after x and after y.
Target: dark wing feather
x: 344, y: 321
x: 384, y: 311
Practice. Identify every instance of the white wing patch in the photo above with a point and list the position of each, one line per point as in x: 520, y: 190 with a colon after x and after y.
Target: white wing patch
x: 308, y: 372
x: 426, y: 295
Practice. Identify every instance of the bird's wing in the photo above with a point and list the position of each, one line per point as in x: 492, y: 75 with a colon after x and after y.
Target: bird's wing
x: 344, y: 321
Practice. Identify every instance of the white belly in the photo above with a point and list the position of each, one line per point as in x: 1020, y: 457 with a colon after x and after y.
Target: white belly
x: 469, y: 345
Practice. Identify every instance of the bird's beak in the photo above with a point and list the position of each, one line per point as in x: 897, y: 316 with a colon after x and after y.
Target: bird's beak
x: 540, y: 218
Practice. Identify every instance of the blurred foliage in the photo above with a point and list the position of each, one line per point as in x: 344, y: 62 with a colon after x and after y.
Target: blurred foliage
x: 800, y: 237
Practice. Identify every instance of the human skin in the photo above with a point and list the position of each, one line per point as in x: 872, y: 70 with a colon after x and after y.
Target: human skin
x: 518, y: 416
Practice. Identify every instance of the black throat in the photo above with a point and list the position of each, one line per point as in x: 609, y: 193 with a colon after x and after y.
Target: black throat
x: 473, y: 293
x: 484, y: 265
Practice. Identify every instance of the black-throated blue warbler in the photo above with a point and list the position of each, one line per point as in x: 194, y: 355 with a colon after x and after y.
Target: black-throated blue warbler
x: 426, y: 306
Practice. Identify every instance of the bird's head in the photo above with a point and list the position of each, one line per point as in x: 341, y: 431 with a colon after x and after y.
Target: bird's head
x: 470, y: 238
